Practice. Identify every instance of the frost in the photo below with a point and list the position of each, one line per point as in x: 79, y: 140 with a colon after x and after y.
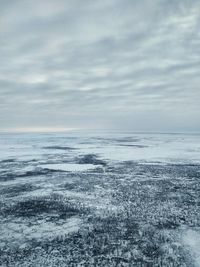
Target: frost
x: 104, y: 200
x: 191, y: 240
x: 69, y: 167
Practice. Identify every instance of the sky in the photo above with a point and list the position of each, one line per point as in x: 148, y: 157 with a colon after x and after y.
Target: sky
x: 119, y: 65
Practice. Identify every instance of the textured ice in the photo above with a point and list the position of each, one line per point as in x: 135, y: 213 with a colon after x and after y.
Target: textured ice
x: 69, y: 167
x: 112, y: 199
x: 19, y: 232
x: 191, y: 240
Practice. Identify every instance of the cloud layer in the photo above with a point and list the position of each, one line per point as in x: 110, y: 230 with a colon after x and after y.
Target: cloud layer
x: 117, y: 64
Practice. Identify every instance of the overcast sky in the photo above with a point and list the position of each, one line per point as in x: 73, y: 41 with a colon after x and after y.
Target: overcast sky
x: 124, y: 65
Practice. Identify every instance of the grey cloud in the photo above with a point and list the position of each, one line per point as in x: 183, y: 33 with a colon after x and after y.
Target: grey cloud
x: 109, y: 64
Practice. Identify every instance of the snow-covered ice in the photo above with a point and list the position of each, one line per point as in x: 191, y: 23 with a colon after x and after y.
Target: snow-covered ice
x: 109, y: 198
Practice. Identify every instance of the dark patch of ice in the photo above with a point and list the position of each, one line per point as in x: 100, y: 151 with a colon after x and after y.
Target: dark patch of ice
x: 50, y: 205
x: 17, y: 189
x: 7, y: 161
x: 6, y: 176
x: 59, y: 147
x: 130, y: 145
x: 90, y: 159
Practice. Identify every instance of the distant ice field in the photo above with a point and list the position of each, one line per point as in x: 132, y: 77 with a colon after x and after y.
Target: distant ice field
x: 163, y: 148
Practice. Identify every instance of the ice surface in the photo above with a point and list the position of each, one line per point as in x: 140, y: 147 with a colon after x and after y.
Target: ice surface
x: 123, y: 194
x: 191, y: 240
x: 69, y: 167
x: 143, y: 147
x: 18, y: 233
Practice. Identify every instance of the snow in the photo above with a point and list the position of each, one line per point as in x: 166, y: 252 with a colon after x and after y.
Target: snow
x: 69, y: 167
x: 191, y: 240
x: 19, y: 232
x: 29, y: 159
x: 119, y: 147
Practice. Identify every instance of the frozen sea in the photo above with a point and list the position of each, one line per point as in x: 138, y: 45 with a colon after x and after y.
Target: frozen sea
x: 76, y: 199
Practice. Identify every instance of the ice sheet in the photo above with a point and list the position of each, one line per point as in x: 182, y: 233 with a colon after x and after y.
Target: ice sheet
x: 69, y: 167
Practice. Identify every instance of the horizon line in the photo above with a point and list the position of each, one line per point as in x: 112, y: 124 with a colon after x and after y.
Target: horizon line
x: 50, y: 130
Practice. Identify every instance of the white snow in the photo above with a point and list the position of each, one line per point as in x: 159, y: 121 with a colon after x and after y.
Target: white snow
x: 191, y: 240
x: 139, y: 147
x: 69, y: 167
x: 19, y: 232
